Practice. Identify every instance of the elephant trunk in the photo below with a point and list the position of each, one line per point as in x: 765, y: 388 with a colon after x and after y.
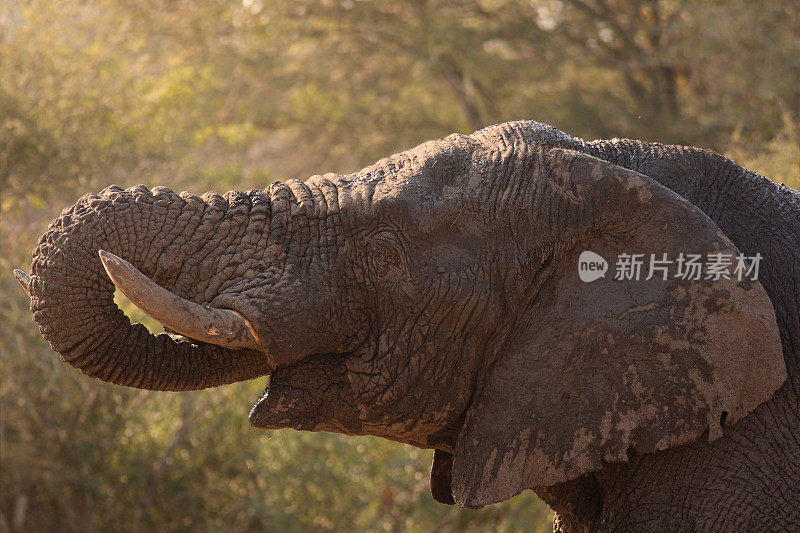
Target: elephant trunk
x: 170, y: 238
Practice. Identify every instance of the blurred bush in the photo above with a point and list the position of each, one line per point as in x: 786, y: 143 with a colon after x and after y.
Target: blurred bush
x: 220, y: 95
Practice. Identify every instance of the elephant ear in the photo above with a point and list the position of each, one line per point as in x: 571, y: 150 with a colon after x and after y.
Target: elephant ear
x: 603, y: 369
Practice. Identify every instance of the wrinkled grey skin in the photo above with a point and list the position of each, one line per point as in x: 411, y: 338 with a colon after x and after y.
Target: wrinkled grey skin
x: 432, y: 299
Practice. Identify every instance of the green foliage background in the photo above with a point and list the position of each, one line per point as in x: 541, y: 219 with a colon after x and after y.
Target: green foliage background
x: 215, y: 95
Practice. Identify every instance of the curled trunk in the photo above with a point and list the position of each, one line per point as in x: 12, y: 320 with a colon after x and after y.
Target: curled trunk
x: 173, y: 239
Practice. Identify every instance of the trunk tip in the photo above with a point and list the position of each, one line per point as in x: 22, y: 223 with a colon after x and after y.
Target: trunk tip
x: 24, y: 280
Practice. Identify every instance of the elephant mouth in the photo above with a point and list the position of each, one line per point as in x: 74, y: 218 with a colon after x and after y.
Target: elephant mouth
x: 274, y: 409
x: 255, y: 416
x: 281, y: 406
x: 312, y: 394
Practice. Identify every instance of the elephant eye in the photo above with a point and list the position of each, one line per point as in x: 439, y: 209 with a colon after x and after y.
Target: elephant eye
x: 387, y: 255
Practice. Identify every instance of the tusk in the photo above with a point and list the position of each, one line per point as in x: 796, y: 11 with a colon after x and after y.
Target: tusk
x: 24, y: 280
x: 223, y: 327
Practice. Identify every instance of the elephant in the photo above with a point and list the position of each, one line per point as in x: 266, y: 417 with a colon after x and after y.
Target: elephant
x: 434, y: 298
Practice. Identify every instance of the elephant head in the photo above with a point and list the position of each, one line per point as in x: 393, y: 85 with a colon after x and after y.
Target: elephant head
x: 433, y: 299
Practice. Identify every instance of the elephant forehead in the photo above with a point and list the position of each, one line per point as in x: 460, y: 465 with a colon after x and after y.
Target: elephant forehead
x: 412, y: 177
